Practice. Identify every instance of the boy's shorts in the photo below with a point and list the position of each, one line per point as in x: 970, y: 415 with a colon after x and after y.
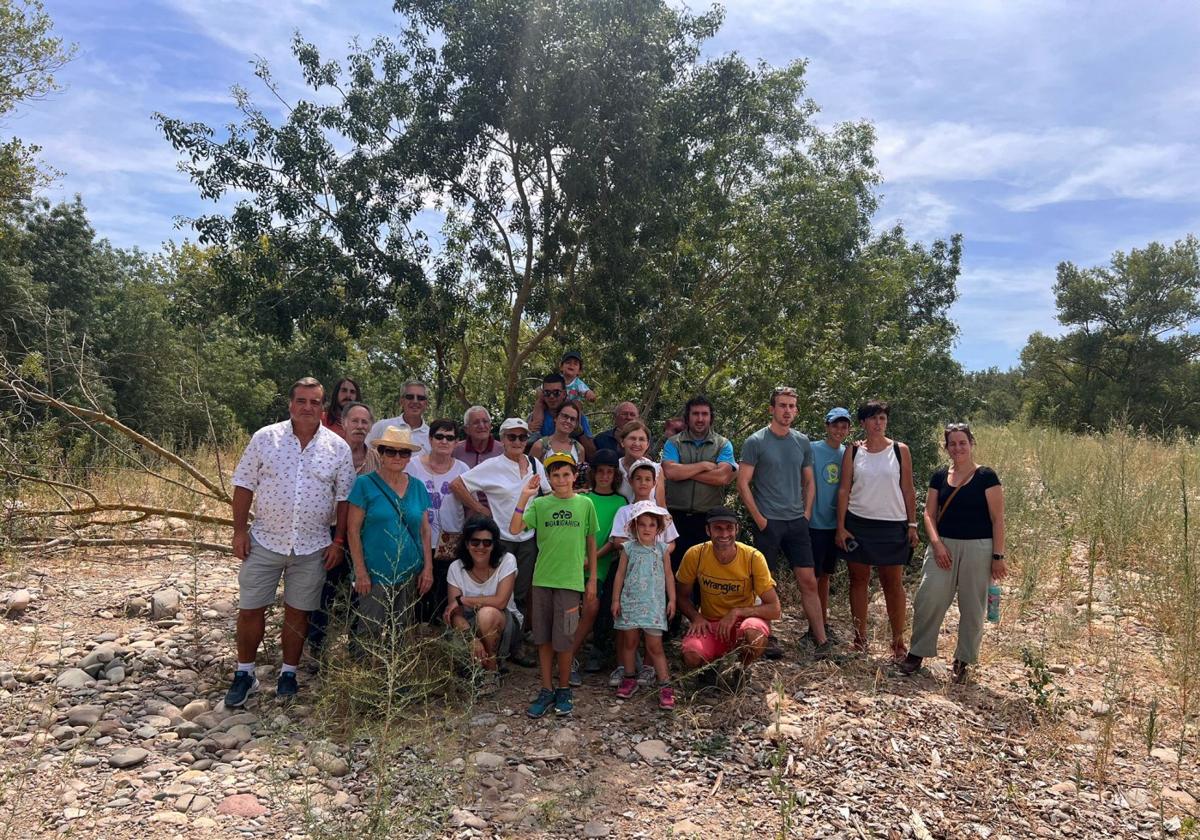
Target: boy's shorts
x: 710, y: 646
x: 554, y: 617
x: 824, y: 550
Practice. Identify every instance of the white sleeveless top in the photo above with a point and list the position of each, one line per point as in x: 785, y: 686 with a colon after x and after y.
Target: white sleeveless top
x: 875, y: 492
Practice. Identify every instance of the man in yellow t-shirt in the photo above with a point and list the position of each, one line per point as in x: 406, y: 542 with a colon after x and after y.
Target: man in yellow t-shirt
x: 731, y: 576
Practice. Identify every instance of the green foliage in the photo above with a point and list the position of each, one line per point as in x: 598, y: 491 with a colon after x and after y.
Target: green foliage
x: 1040, y: 681
x: 998, y: 395
x: 1129, y: 354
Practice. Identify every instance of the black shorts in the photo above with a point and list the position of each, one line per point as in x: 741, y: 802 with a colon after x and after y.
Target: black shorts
x: 824, y: 551
x: 789, y: 536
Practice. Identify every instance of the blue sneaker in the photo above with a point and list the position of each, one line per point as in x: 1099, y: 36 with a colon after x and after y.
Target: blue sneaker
x: 576, y: 679
x: 286, y: 686
x: 541, y: 704
x: 563, y: 703
x: 244, y: 684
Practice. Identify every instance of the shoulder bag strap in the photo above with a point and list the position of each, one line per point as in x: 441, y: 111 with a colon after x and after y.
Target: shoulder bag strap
x: 942, y: 507
x: 387, y: 494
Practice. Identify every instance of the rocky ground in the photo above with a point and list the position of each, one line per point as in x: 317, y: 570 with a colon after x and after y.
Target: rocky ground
x: 112, y: 670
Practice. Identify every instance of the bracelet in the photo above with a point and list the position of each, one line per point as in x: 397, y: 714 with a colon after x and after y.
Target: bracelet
x: 912, y: 524
x: 519, y: 510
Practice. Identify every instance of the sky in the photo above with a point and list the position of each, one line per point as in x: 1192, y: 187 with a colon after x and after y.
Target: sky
x: 1042, y: 132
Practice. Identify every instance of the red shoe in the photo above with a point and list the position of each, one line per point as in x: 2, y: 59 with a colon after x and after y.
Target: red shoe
x: 666, y: 697
x: 627, y: 687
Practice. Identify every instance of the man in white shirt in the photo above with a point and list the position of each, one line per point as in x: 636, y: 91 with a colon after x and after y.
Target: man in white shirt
x: 500, y: 480
x: 297, y: 476
x: 414, y: 402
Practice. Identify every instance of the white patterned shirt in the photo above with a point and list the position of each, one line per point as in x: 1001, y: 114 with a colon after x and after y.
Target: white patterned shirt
x: 296, y: 490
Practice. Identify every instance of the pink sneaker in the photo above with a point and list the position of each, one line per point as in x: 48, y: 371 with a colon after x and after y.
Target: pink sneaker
x: 627, y: 687
x: 666, y: 697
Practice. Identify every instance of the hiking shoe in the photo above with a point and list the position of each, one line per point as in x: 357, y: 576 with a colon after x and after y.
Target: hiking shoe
x: 773, y: 651
x: 666, y: 697
x: 575, y: 679
x: 616, y: 677
x: 286, y: 685
x: 627, y: 688
x: 823, y: 651
x: 541, y: 704
x: 962, y: 672
x: 910, y: 665
x: 832, y: 634
x: 244, y: 684
x: 647, y: 675
x: 564, y: 704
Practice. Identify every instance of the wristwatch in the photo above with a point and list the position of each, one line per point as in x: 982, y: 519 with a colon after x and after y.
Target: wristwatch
x: 997, y: 557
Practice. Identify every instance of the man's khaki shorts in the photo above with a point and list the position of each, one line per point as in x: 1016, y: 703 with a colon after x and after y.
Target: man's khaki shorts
x: 554, y: 616
x: 258, y: 579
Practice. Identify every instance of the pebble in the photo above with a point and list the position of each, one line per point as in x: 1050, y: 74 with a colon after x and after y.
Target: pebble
x: 652, y: 750
x: 128, y: 757
x: 16, y: 602
x: 465, y: 819
x: 74, y: 678
x: 241, y: 805
x: 84, y: 715
x: 488, y: 761
x: 164, y: 604
x: 595, y: 829
x: 1165, y: 754
x: 169, y: 817
x: 194, y: 709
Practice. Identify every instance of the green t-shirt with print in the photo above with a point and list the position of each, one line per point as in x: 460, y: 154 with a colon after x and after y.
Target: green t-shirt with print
x: 606, y: 506
x: 562, y: 526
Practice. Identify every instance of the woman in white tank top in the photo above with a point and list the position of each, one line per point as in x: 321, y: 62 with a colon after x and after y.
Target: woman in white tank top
x: 877, y: 522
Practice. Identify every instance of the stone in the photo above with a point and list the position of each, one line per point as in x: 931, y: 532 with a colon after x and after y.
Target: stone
x: 465, y: 819
x: 1063, y: 787
x: 1180, y: 797
x: 686, y: 828
x: 74, y: 678
x: 15, y: 603
x: 115, y: 675
x: 1100, y: 708
x: 190, y: 803
x: 783, y: 731
x: 564, y: 740
x: 241, y: 805
x: 84, y: 715
x: 595, y: 829
x: 136, y: 606
x: 488, y: 761
x: 326, y: 762
x: 164, y: 604
x: 128, y: 757
x: 241, y: 732
x: 1165, y: 754
x: 194, y: 709
x: 652, y: 750
x: 169, y: 817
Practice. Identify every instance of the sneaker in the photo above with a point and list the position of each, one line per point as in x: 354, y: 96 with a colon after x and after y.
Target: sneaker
x: 541, y: 704
x: 286, y: 685
x: 823, y: 651
x: 627, y: 688
x: 666, y: 697
x: 647, y: 675
x: 616, y: 677
x: 575, y: 679
x: 773, y: 651
x: 244, y: 684
x: 594, y: 663
x: 564, y: 704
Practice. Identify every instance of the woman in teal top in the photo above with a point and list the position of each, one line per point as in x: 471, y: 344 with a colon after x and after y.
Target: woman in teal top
x: 390, y: 540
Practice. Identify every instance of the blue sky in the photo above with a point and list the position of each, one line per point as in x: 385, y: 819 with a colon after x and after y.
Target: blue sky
x: 1041, y: 131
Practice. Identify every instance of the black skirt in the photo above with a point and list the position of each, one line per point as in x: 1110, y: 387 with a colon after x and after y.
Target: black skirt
x: 880, y: 542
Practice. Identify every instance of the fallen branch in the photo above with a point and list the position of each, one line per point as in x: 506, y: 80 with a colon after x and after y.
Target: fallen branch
x: 76, y: 542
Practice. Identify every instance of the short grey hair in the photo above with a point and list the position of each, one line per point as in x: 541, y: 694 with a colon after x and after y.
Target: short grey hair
x: 349, y: 406
x: 408, y: 382
x: 467, y: 414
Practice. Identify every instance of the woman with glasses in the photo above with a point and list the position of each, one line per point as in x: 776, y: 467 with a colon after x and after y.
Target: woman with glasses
x: 565, y: 424
x: 964, y: 518
x: 635, y: 444
x: 877, y: 522
x: 436, y: 470
x: 390, y: 542
x: 480, y: 584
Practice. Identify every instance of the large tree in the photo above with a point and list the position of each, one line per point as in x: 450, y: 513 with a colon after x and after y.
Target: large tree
x: 1129, y: 353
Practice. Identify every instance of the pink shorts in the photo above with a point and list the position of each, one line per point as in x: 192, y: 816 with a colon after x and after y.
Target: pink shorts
x: 712, y: 646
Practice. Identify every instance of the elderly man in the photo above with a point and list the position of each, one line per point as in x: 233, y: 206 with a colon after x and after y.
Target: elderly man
x: 624, y: 413
x: 501, y: 480
x: 776, y: 484
x: 479, y: 445
x: 737, y: 595
x: 297, y: 476
x: 414, y: 401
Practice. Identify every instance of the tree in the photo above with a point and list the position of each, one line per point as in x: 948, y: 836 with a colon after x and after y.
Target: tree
x: 1130, y: 354
x: 29, y: 57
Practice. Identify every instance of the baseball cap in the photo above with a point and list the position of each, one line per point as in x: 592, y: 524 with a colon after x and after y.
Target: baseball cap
x: 721, y: 514
x: 558, y: 458
x: 837, y: 414
x: 514, y: 423
x: 571, y: 354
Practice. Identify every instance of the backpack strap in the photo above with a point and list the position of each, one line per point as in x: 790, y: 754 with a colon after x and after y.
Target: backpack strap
x: 899, y: 462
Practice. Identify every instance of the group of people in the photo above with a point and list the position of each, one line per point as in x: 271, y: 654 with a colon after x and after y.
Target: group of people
x: 552, y: 535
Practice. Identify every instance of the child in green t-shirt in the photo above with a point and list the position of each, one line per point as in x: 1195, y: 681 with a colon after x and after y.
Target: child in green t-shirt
x: 565, y: 524
x: 605, y: 480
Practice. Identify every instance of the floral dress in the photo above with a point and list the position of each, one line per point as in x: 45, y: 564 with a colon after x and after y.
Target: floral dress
x: 643, y: 594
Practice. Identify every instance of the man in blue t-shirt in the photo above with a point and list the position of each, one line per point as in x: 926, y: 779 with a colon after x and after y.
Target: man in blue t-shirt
x: 775, y: 482
x: 551, y: 396
x: 827, y: 470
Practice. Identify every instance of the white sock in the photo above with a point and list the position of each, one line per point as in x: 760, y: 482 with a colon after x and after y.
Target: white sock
x: 246, y: 666
x: 287, y: 669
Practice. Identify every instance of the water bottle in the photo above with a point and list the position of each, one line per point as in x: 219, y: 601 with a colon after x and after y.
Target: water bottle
x: 993, y: 609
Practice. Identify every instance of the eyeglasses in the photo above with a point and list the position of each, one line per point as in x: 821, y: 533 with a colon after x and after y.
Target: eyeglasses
x: 388, y: 452
x: 516, y: 437
x: 444, y: 437
x: 570, y: 418
x: 416, y: 397
x: 556, y: 392
x: 477, y: 543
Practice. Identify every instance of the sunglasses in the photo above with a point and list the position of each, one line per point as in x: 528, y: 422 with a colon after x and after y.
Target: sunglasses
x: 388, y: 452
x: 444, y: 437
x: 416, y: 397
x: 516, y: 437
x: 478, y: 543
x: 553, y: 393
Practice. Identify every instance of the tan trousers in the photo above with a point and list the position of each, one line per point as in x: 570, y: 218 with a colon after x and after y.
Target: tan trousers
x: 969, y: 576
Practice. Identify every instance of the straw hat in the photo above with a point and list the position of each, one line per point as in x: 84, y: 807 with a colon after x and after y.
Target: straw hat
x: 396, y: 438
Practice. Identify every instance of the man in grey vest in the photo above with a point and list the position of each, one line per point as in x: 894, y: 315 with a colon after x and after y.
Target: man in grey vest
x: 698, y: 465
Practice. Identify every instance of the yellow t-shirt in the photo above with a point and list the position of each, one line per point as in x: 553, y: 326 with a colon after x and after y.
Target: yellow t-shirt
x: 725, y: 586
